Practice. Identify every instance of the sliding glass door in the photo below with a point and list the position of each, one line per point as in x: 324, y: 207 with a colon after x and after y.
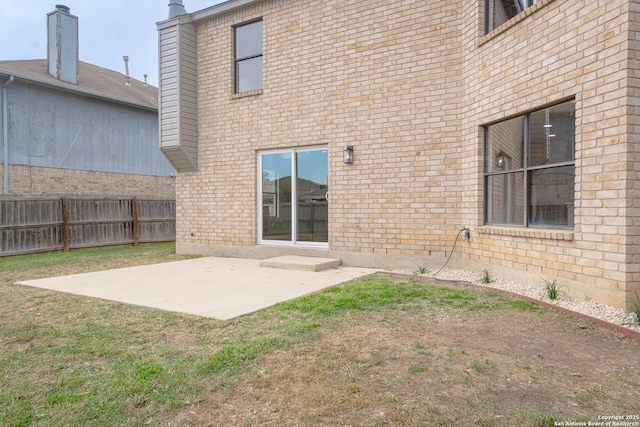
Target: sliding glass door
x: 294, y: 211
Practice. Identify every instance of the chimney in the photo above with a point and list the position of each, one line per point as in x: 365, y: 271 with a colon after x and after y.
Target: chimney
x: 176, y: 8
x: 127, y: 79
x: 62, y: 44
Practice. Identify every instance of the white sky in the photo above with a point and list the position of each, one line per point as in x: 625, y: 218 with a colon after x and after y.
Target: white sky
x: 108, y: 30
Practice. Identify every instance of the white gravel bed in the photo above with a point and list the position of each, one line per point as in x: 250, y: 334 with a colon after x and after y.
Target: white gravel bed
x: 601, y: 311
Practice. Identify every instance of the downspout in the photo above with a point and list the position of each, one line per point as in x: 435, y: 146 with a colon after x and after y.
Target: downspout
x: 5, y: 135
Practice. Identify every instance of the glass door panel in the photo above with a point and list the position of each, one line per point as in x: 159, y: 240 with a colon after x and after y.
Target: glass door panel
x: 312, y: 194
x: 276, y: 196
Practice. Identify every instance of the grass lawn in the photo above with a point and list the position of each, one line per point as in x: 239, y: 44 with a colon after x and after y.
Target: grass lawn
x: 377, y: 351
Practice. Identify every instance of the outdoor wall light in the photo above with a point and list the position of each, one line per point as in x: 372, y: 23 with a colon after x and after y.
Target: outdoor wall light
x: 348, y: 155
x: 500, y: 160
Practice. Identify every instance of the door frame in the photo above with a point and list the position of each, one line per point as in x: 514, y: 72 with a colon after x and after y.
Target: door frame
x: 294, y: 201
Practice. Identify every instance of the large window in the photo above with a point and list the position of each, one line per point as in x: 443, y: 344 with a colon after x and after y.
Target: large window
x: 500, y: 11
x: 248, y: 57
x: 530, y: 168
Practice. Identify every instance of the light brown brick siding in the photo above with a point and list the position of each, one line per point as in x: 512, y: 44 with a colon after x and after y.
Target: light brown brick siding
x: 580, y: 50
x: 26, y: 180
x: 410, y: 85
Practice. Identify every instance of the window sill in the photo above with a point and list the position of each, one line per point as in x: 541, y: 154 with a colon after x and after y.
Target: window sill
x: 246, y: 94
x: 539, y: 233
x: 513, y: 21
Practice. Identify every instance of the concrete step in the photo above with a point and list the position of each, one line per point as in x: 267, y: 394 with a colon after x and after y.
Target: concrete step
x: 305, y: 263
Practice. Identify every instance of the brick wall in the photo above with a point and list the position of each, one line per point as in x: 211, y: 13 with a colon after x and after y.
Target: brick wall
x: 410, y: 85
x: 49, y: 181
x: 383, y: 77
x: 633, y: 151
x: 556, y: 51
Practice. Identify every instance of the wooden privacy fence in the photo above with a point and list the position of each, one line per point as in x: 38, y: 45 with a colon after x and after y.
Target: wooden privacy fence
x: 312, y: 222
x: 50, y: 224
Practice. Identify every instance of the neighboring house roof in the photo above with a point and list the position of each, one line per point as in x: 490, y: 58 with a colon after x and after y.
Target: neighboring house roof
x: 93, y: 81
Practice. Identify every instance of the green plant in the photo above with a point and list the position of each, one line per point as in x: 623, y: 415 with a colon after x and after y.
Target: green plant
x: 487, y: 277
x: 636, y: 307
x: 551, y: 288
x: 416, y: 369
x: 421, y: 269
x: 479, y: 367
x: 542, y: 420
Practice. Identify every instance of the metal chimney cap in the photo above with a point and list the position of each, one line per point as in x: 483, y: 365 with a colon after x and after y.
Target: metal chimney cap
x: 63, y: 8
x: 176, y: 8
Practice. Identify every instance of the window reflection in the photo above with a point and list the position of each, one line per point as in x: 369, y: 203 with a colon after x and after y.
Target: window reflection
x: 500, y: 11
x: 535, y: 189
x: 248, y: 57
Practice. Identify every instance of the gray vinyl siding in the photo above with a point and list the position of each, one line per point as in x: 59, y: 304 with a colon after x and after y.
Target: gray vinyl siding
x: 178, y: 96
x: 53, y: 129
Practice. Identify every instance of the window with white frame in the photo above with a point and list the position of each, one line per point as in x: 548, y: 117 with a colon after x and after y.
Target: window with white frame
x: 498, y: 12
x: 248, y: 57
x: 530, y: 168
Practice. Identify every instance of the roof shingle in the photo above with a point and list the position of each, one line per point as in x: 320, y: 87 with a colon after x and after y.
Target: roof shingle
x: 93, y: 80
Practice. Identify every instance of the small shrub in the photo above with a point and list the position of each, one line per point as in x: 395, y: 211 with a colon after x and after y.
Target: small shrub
x: 636, y: 307
x: 421, y: 269
x: 551, y: 288
x: 487, y: 277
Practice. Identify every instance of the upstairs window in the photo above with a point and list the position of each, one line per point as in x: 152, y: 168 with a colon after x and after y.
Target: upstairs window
x: 248, y: 57
x: 500, y: 11
x: 530, y: 169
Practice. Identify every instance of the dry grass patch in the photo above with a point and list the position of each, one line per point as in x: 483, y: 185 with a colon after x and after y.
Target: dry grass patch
x: 451, y: 357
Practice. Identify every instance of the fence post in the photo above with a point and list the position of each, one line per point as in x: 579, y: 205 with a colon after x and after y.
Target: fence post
x: 136, y: 232
x: 65, y: 224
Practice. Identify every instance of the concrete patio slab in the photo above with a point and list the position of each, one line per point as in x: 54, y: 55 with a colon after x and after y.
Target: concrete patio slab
x: 222, y: 288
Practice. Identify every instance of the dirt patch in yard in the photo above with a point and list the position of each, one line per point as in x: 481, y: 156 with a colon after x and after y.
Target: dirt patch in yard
x: 437, y: 365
